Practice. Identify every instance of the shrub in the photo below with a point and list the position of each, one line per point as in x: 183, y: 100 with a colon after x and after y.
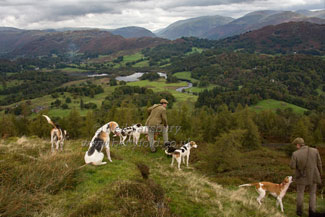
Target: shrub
x: 224, y: 155
x: 26, y: 177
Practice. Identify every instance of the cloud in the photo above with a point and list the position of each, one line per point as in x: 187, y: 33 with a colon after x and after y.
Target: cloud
x: 151, y: 14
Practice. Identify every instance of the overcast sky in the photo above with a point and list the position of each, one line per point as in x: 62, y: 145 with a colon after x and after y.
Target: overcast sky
x: 150, y: 14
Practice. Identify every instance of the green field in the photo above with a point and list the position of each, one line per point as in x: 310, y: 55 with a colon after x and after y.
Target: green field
x: 195, y: 50
x: 132, y: 58
x: 185, y: 75
x: 161, y: 85
x: 11, y: 83
x: 71, y: 70
x: 144, y: 63
x: 273, y: 105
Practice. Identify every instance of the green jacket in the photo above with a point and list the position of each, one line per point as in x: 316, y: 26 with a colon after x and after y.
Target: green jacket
x: 157, y: 116
x: 313, y: 166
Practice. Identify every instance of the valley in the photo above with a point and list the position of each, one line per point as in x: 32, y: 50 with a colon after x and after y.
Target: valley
x: 242, y: 89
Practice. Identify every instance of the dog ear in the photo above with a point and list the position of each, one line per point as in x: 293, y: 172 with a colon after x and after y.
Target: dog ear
x: 167, y: 144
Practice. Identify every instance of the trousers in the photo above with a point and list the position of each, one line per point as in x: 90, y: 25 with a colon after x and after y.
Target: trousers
x: 157, y: 129
x: 300, y: 197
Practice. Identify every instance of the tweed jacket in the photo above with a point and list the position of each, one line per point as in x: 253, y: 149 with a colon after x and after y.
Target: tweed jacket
x: 308, y: 165
x: 157, y: 116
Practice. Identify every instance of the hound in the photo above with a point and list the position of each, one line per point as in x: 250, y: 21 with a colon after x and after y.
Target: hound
x: 127, y: 132
x: 111, y: 126
x: 94, y: 154
x: 139, y: 129
x: 276, y: 190
x: 181, y: 153
x: 57, y: 135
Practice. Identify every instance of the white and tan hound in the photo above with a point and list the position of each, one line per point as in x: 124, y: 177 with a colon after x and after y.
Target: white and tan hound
x: 139, y: 129
x: 179, y: 153
x: 57, y: 135
x: 111, y: 126
x: 276, y: 190
x: 94, y: 154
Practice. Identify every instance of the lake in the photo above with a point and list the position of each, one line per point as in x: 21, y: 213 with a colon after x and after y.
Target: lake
x: 136, y: 76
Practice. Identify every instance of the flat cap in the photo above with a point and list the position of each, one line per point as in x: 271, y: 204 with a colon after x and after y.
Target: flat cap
x: 163, y: 101
x: 298, y: 140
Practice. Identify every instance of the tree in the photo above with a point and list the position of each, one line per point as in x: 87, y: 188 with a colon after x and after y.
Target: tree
x: 65, y: 106
x: 73, y: 124
x: 171, y: 79
x: 89, y: 125
x: 122, y: 82
x: 82, y: 105
x: 302, y: 128
x: 224, y: 155
x: 151, y: 76
x: 40, y: 127
x: 68, y: 100
x: 251, y: 138
x: 112, y: 82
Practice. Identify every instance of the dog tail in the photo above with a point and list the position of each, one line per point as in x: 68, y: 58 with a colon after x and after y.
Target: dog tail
x: 50, y: 121
x: 245, y: 185
x: 168, y: 153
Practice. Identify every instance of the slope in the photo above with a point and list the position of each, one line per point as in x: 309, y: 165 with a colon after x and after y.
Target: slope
x: 196, y: 27
x: 257, y: 20
x: 56, y: 185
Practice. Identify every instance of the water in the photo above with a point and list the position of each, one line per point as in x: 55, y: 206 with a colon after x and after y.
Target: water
x: 136, y: 76
x: 180, y: 89
x: 133, y: 77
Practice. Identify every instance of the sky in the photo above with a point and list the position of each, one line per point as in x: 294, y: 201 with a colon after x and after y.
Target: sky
x: 150, y: 14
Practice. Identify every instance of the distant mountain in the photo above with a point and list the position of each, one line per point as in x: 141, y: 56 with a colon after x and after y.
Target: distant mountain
x: 133, y: 32
x: 11, y: 38
x: 307, y: 13
x: 9, y: 29
x: 126, y: 32
x: 196, y: 27
x: 290, y: 38
x: 256, y: 20
x: 39, y: 43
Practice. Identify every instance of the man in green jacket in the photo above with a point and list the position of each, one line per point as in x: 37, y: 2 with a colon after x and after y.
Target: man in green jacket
x: 157, y: 122
x: 308, y: 165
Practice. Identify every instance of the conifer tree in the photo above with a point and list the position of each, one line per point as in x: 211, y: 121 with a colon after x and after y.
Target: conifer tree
x: 302, y: 128
x: 88, y: 128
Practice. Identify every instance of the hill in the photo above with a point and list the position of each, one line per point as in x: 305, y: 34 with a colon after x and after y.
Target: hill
x: 292, y: 37
x: 196, y: 27
x: 12, y: 38
x: 319, y: 14
x: 218, y: 27
x: 256, y: 20
x: 57, y: 185
x: 40, y: 43
x: 133, y: 32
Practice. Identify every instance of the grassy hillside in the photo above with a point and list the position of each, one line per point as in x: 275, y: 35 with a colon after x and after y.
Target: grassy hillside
x: 161, y: 85
x: 38, y: 183
x: 271, y: 104
x: 185, y: 75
